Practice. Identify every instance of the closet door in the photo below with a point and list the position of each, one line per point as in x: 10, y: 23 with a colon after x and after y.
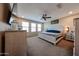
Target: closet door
x: 77, y: 37
x: 15, y: 43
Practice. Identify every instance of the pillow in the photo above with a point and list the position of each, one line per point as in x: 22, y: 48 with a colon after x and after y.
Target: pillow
x: 53, y: 31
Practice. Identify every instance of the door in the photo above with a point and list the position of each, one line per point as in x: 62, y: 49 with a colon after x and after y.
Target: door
x: 77, y: 36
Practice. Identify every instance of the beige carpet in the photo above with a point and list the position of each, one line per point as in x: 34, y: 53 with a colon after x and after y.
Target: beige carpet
x: 38, y: 47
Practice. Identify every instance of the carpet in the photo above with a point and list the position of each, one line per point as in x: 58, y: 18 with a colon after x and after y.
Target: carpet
x: 39, y: 47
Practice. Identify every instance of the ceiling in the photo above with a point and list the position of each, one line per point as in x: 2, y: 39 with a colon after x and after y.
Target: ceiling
x: 34, y: 11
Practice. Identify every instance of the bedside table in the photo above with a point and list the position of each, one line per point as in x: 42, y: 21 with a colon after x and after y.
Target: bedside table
x: 69, y: 36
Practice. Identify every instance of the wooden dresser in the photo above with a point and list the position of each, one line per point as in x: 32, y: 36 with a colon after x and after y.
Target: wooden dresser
x: 14, y: 43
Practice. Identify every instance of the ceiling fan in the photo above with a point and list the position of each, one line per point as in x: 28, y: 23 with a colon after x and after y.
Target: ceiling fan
x: 44, y: 16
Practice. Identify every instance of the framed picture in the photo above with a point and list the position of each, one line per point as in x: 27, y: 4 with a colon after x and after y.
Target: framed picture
x: 55, y: 21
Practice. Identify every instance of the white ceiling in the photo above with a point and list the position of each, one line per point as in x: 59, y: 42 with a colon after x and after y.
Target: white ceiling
x: 34, y: 11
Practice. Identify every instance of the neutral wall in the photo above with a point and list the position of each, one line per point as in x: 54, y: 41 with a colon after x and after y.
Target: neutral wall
x: 65, y: 21
x: 20, y: 20
x: 4, y: 26
x: 46, y: 25
x: 69, y: 21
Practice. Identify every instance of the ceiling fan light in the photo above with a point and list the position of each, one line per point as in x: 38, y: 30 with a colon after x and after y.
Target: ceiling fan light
x: 70, y: 12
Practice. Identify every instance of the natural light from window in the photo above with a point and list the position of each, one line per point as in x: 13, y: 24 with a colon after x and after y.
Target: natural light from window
x: 25, y: 26
x: 39, y: 27
x: 33, y: 27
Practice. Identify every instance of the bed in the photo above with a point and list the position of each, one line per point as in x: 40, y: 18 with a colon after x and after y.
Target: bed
x: 53, y: 35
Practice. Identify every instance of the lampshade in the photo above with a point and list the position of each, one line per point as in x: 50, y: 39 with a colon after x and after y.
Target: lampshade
x: 66, y: 29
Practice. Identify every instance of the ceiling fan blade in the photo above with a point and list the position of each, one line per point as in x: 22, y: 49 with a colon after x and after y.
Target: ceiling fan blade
x: 48, y: 17
x: 44, y: 18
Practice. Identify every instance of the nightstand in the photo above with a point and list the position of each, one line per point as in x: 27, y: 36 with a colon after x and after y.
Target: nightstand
x: 69, y: 36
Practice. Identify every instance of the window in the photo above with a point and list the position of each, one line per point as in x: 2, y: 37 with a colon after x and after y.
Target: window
x: 33, y: 27
x: 39, y: 27
x: 25, y: 26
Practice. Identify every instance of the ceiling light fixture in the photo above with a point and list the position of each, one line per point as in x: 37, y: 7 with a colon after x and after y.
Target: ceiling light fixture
x: 22, y: 16
x: 70, y: 12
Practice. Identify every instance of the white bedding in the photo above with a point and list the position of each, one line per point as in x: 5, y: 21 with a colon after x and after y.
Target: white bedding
x: 51, y: 38
x: 52, y: 34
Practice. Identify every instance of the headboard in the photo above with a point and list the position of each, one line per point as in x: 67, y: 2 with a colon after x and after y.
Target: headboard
x: 56, y: 27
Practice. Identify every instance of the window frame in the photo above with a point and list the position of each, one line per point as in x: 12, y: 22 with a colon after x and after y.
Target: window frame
x: 39, y: 27
x: 26, y: 26
x: 33, y: 27
x: 30, y: 26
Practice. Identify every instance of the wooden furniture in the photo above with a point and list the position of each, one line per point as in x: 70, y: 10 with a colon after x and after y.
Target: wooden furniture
x: 69, y: 36
x: 14, y: 43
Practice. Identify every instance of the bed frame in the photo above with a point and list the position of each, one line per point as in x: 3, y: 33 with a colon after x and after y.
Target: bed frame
x: 50, y: 39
